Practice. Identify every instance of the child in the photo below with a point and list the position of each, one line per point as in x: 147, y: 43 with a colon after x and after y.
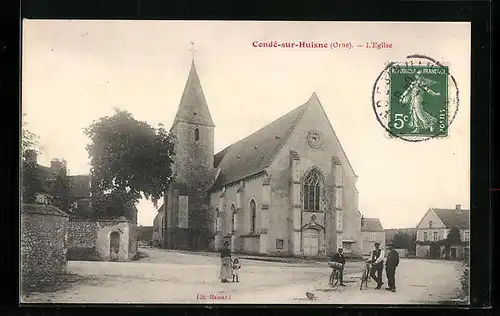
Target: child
x: 236, y: 268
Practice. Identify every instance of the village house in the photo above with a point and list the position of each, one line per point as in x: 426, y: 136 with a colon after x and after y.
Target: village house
x: 372, y: 231
x: 434, y: 228
x: 78, y: 185
x: 287, y: 189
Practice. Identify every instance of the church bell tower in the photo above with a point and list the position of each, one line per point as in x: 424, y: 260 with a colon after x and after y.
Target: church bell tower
x: 193, y: 168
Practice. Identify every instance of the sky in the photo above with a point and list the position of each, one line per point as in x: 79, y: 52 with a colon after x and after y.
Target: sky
x: 76, y: 71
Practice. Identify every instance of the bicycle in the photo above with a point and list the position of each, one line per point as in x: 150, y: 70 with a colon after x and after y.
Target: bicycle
x: 366, y: 275
x: 335, y: 275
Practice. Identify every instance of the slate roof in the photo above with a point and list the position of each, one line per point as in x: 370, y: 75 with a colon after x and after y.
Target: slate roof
x: 254, y: 153
x: 372, y: 225
x: 453, y: 218
x: 193, y: 107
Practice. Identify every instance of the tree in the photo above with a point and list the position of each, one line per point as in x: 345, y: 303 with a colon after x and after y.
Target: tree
x: 29, y: 140
x: 128, y: 158
x: 404, y: 241
x: 30, y: 180
x: 60, y: 188
x: 453, y: 237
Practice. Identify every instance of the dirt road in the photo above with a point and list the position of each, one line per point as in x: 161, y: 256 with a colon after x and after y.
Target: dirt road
x: 171, y: 277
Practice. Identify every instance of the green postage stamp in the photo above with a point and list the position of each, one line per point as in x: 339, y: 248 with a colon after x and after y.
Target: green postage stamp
x: 413, y: 99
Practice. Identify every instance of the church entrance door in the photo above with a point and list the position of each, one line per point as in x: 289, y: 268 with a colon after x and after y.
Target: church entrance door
x: 310, y: 243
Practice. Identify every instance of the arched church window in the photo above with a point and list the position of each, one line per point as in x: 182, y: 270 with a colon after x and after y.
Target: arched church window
x: 196, y: 134
x: 217, y: 220
x: 253, y: 213
x: 233, y: 215
x: 312, y: 190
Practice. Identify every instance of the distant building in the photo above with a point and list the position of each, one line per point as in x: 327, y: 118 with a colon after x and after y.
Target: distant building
x: 287, y: 189
x: 372, y: 231
x: 79, y: 189
x: 434, y: 227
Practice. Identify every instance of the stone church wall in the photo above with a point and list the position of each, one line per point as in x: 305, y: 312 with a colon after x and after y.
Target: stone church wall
x: 314, y: 119
x: 44, y: 231
x: 244, y: 241
x: 90, y: 240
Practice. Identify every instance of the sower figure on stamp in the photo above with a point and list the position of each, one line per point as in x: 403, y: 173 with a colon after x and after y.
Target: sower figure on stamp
x: 377, y: 260
x: 339, y: 257
x: 390, y: 267
x: 413, y: 95
x: 225, y: 268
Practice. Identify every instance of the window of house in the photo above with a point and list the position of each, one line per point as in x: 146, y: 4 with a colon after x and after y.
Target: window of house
x: 372, y: 236
x: 430, y: 224
x: 279, y: 243
x: 233, y: 215
x: 253, y: 213
x: 435, y: 236
x: 466, y: 236
x: 196, y: 134
x: 425, y: 236
x: 312, y: 190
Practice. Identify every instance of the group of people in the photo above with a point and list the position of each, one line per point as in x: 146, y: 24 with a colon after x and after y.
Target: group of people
x: 377, y: 266
x: 229, y: 267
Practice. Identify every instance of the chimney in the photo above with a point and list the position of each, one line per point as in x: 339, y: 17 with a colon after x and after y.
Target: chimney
x: 458, y: 208
x: 30, y: 155
x: 362, y: 221
x: 56, y: 165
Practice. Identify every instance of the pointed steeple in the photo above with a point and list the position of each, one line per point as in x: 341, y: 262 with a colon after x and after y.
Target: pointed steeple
x: 193, y: 107
x: 314, y: 98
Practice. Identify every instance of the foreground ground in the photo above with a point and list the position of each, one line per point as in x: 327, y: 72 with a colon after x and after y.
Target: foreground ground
x: 173, y: 277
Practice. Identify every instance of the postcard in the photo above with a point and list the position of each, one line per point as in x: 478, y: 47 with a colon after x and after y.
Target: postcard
x: 248, y: 162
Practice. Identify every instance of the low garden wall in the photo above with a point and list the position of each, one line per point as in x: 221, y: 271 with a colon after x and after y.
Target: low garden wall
x: 44, y: 232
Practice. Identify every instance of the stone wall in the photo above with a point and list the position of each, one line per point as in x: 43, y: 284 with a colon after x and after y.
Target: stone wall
x: 91, y: 240
x: 44, y: 232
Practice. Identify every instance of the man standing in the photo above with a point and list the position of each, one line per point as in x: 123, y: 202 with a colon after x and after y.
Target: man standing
x: 390, y: 267
x: 377, y: 260
x: 339, y: 257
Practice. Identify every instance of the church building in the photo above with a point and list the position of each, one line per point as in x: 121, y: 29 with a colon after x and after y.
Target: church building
x: 288, y: 189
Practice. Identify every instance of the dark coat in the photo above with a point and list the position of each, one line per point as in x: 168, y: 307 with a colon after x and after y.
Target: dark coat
x: 225, y: 252
x: 338, y: 258
x: 392, y: 260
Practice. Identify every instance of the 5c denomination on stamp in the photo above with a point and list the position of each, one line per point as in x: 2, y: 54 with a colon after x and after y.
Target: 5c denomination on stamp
x: 415, y: 99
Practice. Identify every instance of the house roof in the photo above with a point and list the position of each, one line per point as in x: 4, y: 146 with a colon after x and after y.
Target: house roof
x: 193, y: 107
x: 372, y: 225
x: 257, y: 151
x: 80, y: 186
x: 453, y: 218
